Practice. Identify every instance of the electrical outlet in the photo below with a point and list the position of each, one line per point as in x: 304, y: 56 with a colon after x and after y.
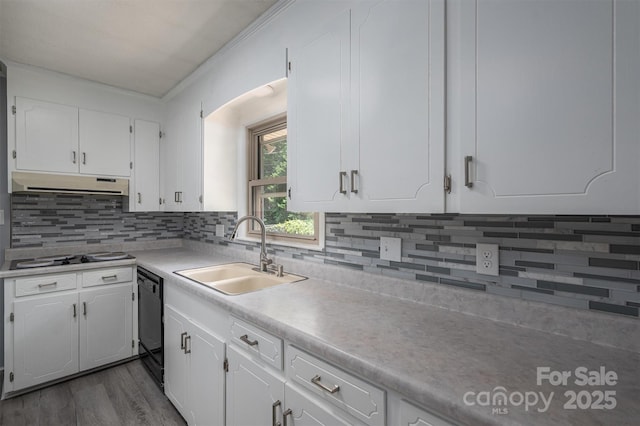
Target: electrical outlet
x: 488, y: 259
x: 391, y: 248
x: 219, y: 230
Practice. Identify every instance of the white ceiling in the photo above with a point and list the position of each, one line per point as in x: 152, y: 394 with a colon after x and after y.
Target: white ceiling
x: 147, y: 46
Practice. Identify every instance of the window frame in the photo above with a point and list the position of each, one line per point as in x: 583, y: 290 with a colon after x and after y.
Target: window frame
x: 254, y: 132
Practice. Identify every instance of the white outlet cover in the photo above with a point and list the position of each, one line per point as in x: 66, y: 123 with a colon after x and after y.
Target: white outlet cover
x: 219, y: 230
x: 488, y: 259
x: 391, y: 248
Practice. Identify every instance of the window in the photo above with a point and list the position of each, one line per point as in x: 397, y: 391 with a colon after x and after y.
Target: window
x: 268, y: 187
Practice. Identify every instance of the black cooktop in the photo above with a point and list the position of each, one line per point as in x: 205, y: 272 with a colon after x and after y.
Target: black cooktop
x: 60, y: 260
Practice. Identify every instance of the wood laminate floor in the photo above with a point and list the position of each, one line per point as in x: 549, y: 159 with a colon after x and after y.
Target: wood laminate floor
x: 121, y: 395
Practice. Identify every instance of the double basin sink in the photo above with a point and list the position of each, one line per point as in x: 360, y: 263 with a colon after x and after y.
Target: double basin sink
x: 237, y: 278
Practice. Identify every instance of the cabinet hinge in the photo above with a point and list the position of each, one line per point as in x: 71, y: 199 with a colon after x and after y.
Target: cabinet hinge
x: 130, y: 129
x: 225, y: 365
x: 289, y: 66
x: 13, y: 110
x: 11, y: 377
x: 160, y: 200
x: 201, y: 114
x: 289, y: 192
x: 12, y: 317
x: 131, y: 165
x: 200, y: 199
x: 447, y: 184
x: 14, y: 154
x: 133, y: 343
x: 160, y: 135
x: 133, y: 296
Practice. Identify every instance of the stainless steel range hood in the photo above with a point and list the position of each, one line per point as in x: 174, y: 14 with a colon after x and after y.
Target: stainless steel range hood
x: 67, y: 184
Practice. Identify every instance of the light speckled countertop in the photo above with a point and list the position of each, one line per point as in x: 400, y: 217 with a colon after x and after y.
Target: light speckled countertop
x: 429, y: 355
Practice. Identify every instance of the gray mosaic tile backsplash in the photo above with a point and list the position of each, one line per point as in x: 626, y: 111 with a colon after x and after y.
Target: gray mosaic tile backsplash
x: 585, y: 262
x: 48, y: 220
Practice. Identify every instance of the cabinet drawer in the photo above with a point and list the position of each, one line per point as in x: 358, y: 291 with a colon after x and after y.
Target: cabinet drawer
x: 357, y: 397
x: 257, y: 342
x: 45, y: 284
x: 107, y: 276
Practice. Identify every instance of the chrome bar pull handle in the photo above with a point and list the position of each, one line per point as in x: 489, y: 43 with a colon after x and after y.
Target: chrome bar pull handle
x: 467, y: 173
x: 75, y: 155
x: 53, y: 284
x: 84, y: 158
x: 354, y: 173
x: 273, y: 413
x: 109, y: 277
x: 245, y: 338
x: 75, y: 313
x: 187, y: 349
x: 84, y: 308
x: 316, y: 381
x: 182, y: 336
x: 343, y: 175
x: 286, y: 414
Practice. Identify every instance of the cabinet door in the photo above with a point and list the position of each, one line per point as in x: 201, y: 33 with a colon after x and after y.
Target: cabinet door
x: 105, y: 325
x: 175, y: 359
x: 46, y: 136
x: 206, y: 355
x: 414, y: 416
x: 309, y: 412
x: 252, y: 391
x: 146, y: 167
x: 397, y: 99
x: 182, y: 163
x: 191, y: 159
x: 45, y: 339
x: 548, y: 106
x: 105, y: 143
x: 318, y: 119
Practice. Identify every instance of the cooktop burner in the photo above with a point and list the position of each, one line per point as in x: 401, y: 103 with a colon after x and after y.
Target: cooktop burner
x: 59, y: 260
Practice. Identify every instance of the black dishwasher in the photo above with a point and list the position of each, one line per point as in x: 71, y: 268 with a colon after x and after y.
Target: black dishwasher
x: 150, y: 326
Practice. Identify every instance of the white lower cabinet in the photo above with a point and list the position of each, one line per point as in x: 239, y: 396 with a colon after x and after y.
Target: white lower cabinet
x: 105, y: 325
x: 403, y: 413
x: 254, y: 393
x: 194, y: 374
x: 57, y: 325
x: 45, y: 339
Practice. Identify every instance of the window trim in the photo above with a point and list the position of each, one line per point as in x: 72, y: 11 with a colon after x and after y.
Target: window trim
x: 254, y: 131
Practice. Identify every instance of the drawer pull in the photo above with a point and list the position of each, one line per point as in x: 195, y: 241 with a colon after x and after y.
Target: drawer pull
x: 245, y: 338
x: 275, y: 405
x: 316, y: 381
x: 182, y: 336
x: 53, y: 284
x: 109, y: 277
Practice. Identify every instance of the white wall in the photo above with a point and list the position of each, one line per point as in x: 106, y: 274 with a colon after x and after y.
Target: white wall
x: 257, y: 59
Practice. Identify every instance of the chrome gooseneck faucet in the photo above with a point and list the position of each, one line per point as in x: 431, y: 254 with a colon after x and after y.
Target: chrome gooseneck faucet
x: 264, y: 260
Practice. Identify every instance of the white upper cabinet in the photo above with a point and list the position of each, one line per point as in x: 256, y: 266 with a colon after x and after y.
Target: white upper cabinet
x: 105, y: 143
x: 46, y: 136
x: 366, y: 110
x: 397, y: 103
x: 182, y: 156
x: 52, y: 137
x: 145, y: 192
x: 318, y: 118
x: 546, y: 104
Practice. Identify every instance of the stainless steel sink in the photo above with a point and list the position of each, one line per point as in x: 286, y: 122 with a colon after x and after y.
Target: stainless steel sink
x: 236, y: 278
